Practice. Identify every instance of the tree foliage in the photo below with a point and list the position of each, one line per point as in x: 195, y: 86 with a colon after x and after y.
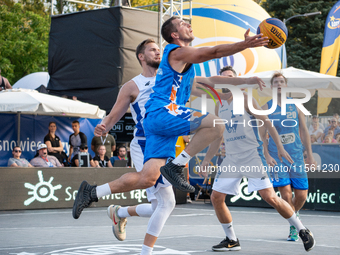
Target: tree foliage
x: 23, y: 41
x: 305, y: 34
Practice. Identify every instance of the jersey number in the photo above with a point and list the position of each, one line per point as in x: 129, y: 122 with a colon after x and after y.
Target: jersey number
x: 291, y: 115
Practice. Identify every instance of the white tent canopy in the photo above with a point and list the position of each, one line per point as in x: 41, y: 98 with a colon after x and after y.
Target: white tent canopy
x: 33, y: 80
x: 28, y: 101
x: 327, y: 85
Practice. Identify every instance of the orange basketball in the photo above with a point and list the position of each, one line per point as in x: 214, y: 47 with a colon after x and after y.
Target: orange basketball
x: 275, y: 30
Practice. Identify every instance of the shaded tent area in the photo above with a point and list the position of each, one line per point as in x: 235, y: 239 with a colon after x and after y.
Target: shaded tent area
x: 27, y: 114
x: 92, y: 53
x: 327, y: 86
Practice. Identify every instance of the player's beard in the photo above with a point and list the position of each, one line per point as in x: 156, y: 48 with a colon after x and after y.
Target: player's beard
x: 152, y: 63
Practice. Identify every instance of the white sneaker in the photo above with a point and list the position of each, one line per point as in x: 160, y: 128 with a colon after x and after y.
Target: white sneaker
x: 118, y: 224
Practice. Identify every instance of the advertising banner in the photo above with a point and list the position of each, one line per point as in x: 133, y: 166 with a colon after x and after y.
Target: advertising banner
x: 33, y: 129
x: 324, y: 188
x: 331, y: 42
x: 38, y: 188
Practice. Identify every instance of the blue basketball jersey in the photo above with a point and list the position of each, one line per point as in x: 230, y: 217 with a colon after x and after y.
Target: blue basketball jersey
x: 171, y: 88
x: 288, y: 128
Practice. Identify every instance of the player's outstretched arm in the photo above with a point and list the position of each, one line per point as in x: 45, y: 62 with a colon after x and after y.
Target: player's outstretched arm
x: 127, y: 95
x: 213, y: 80
x: 273, y: 133
x: 305, y: 139
x: 188, y: 54
x: 213, y: 149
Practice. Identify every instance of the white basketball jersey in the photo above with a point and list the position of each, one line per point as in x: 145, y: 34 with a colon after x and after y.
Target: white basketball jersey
x: 137, y: 108
x: 241, y: 131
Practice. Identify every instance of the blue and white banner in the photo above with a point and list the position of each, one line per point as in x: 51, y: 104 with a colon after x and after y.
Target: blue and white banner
x: 33, y: 130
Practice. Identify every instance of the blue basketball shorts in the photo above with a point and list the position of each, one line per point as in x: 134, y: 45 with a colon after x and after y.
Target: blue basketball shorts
x: 162, y: 128
x: 285, y: 173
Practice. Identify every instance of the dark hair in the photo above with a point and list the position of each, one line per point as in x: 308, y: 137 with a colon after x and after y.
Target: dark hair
x: 16, y: 147
x: 168, y: 28
x: 228, y: 68
x: 75, y: 121
x: 141, y: 47
x: 122, y: 146
x: 275, y: 75
x: 49, y: 133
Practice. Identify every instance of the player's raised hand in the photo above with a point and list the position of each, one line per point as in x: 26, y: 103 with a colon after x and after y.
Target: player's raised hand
x: 99, y: 129
x: 257, y: 80
x: 255, y: 41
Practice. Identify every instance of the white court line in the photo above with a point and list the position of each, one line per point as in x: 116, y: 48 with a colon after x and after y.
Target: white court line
x: 164, y: 238
x: 252, y: 212
x: 189, y: 209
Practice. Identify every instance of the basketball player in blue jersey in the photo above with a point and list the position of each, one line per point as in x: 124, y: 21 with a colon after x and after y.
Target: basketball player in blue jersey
x: 166, y: 116
x: 295, y: 127
x: 159, y: 149
x: 244, y: 153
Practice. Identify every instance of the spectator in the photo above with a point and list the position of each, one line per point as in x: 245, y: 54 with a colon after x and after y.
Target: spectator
x: 54, y: 145
x: 328, y: 139
x: 313, y: 139
x: 331, y: 134
x: 336, y: 115
x: 101, y: 159
x: 44, y: 160
x: 316, y: 131
x: 121, y: 155
x: 16, y: 161
x: 82, y: 149
x: 75, y: 140
x: 107, y: 140
x: 333, y: 126
x: 4, y: 83
x: 337, y: 138
x: 315, y: 119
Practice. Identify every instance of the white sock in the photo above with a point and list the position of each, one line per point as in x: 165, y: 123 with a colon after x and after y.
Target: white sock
x: 146, y: 250
x: 123, y: 212
x: 103, y: 190
x: 295, y: 221
x: 144, y: 210
x: 229, y: 231
x: 182, y: 159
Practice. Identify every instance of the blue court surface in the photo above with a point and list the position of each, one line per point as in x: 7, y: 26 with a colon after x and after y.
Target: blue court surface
x: 191, y: 229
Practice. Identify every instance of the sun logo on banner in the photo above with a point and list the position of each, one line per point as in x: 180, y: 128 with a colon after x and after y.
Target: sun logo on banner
x: 43, y: 191
x: 243, y: 194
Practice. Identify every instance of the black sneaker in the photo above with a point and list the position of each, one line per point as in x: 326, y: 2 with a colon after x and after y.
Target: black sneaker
x: 307, y: 238
x: 174, y: 174
x: 227, y: 245
x: 86, y: 195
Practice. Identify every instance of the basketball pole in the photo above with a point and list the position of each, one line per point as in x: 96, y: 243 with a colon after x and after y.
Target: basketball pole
x: 286, y: 20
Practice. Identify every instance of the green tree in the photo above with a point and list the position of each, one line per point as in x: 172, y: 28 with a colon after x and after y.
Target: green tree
x: 23, y: 41
x: 305, y: 37
x: 305, y: 34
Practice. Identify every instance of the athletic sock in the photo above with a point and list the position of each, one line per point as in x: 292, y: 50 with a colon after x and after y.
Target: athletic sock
x: 123, y: 212
x: 103, y: 190
x: 182, y: 159
x: 146, y: 250
x: 229, y: 231
x: 295, y: 221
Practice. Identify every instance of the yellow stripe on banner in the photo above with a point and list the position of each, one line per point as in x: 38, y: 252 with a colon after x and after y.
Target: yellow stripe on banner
x: 323, y: 103
x: 330, y: 58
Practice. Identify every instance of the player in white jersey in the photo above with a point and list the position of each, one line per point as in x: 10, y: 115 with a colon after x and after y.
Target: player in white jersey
x: 135, y: 93
x: 244, y: 158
